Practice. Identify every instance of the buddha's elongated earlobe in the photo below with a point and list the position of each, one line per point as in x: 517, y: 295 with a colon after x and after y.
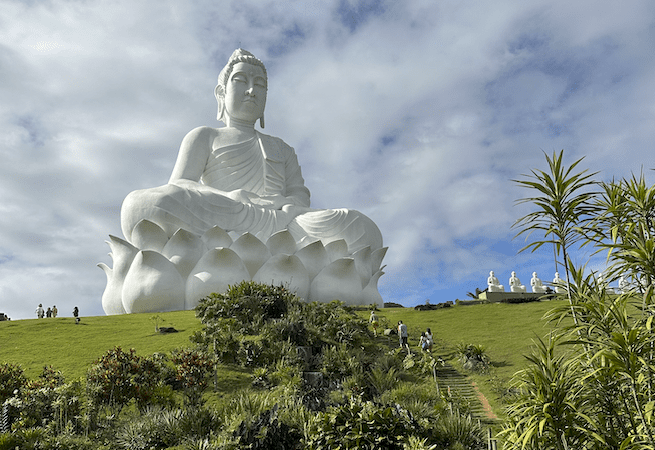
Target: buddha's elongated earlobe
x: 261, y: 121
x: 218, y: 93
x: 221, y: 109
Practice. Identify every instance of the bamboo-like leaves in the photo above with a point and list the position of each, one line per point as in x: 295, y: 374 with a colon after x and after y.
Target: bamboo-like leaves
x: 564, y: 206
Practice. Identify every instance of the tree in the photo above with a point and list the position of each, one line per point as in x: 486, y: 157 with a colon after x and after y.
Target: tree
x: 591, y: 386
x: 564, y: 207
x: 626, y: 230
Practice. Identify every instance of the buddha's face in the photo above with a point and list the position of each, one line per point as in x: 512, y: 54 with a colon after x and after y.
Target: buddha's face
x: 245, y: 93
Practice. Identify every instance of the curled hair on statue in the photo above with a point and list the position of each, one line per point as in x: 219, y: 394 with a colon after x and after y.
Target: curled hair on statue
x: 239, y: 55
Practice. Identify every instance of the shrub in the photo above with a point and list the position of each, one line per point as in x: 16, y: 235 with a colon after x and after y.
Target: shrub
x: 118, y: 377
x: 11, y: 379
x: 267, y: 432
x: 193, y: 370
x: 473, y: 357
x: 362, y: 426
x: 250, y: 304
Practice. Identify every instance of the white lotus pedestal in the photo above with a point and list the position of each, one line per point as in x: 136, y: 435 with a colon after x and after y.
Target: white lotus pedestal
x: 158, y: 274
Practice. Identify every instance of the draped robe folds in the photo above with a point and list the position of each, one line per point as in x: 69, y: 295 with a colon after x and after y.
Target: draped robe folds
x: 263, y: 165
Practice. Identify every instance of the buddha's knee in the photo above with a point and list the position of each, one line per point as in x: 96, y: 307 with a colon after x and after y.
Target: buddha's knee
x: 143, y: 204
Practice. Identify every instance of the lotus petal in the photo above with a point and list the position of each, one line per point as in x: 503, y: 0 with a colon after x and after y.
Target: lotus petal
x: 363, y: 264
x: 281, y: 242
x: 184, y: 250
x: 370, y: 294
x: 285, y: 270
x: 216, y: 237
x: 338, y: 281
x: 314, y: 257
x: 122, y: 253
x: 147, y: 235
x: 152, y: 284
x: 337, y: 249
x: 215, y: 272
x: 252, y: 252
x: 376, y: 258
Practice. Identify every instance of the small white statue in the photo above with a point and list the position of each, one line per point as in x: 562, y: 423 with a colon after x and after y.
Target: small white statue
x: 602, y: 282
x: 537, y: 285
x: 493, y: 285
x: 515, y: 284
x: 558, y: 284
x: 624, y: 285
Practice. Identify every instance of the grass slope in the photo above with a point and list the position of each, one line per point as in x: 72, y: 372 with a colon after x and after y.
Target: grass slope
x: 506, y: 331
x: 72, y: 348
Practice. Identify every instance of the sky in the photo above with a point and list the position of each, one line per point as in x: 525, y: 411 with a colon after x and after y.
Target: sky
x: 418, y: 113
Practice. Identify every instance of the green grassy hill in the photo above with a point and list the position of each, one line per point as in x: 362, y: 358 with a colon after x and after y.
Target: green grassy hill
x: 506, y: 331
x: 72, y: 348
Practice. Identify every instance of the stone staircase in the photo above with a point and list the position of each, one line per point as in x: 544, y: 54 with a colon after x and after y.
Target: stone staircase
x: 462, y: 390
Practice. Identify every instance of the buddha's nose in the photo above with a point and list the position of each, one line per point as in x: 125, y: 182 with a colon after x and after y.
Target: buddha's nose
x: 250, y: 91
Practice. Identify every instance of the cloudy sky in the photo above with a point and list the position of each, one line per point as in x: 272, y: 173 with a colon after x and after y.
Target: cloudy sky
x: 418, y: 113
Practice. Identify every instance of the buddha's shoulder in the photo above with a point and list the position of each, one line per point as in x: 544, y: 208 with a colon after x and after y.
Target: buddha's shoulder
x: 272, y: 142
x: 201, y: 136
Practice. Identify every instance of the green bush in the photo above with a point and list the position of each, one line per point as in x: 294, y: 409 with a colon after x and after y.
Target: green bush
x: 267, y: 432
x: 362, y: 426
x: 118, y: 377
x: 193, y: 370
x: 11, y: 379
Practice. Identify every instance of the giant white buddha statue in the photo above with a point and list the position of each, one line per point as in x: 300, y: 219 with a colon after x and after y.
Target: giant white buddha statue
x: 236, y: 182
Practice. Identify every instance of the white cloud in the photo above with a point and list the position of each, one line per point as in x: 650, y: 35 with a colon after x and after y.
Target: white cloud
x: 417, y: 113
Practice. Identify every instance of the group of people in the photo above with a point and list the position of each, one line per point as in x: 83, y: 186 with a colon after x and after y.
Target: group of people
x: 50, y: 312
x: 426, y: 342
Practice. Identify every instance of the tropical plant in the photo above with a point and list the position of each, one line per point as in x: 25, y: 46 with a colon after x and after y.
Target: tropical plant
x: 564, y: 207
x: 362, y: 426
x: 473, y: 357
x: 548, y: 414
x: 625, y: 228
x: 193, y: 370
x: 267, y: 432
x: 11, y: 380
x: 118, y: 376
x: 591, y: 385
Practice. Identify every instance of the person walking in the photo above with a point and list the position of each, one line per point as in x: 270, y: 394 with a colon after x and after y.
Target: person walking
x: 48, y: 313
x: 403, y: 335
x: 375, y: 322
x: 54, y: 311
x: 39, y: 311
x: 429, y: 339
x: 76, y: 314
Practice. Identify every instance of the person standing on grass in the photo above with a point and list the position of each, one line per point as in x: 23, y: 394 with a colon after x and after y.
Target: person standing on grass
x: 54, y: 311
x: 48, y: 313
x: 374, y: 321
x: 76, y: 314
x: 403, y: 335
x: 39, y: 311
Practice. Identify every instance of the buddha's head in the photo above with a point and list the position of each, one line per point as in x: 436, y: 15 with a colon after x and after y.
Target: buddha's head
x: 248, y: 66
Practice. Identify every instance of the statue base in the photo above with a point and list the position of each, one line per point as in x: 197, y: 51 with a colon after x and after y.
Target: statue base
x: 156, y: 274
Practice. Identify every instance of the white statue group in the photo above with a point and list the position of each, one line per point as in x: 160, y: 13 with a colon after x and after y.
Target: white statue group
x: 558, y: 285
x: 493, y: 285
x: 236, y: 208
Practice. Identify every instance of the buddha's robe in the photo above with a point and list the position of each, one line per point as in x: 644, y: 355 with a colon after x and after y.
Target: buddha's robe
x: 263, y: 165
